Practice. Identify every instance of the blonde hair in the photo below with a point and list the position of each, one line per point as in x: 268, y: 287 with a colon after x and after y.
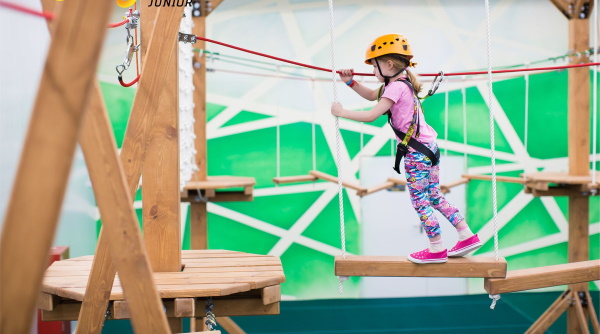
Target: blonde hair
x: 400, y: 63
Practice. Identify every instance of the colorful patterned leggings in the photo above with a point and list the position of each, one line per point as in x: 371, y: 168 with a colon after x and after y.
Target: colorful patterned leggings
x: 423, y: 183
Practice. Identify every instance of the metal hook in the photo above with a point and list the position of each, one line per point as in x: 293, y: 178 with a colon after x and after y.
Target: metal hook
x: 436, y: 84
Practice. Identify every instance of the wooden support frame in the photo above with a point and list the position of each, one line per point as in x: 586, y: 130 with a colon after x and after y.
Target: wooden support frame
x: 535, y: 278
x: 27, y: 234
x: 400, y: 266
x: 446, y: 187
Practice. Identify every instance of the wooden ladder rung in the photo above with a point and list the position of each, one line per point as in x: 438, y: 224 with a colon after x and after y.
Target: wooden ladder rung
x: 294, y: 179
x: 400, y: 266
x: 498, y: 178
x: 331, y: 178
x: 541, y: 277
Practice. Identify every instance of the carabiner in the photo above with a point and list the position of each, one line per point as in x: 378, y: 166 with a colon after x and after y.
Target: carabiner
x: 436, y: 84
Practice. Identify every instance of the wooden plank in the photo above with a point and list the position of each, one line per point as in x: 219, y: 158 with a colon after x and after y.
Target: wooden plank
x: 184, y: 307
x: 331, y: 178
x: 489, y: 178
x: 175, y: 324
x: 27, y: 234
x: 232, y: 307
x: 446, y: 187
x: 221, y: 182
x: 47, y: 301
x: 160, y: 193
x: 231, y: 196
x: 294, y: 179
x: 198, y: 225
x: 271, y: 294
x: 541, y: 277
x: 559, y: 177
x: 230, y: 326
x: 551, y: 314
x: 400, y: 266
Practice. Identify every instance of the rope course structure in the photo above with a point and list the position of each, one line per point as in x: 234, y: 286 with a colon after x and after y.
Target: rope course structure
x: 578, y: 184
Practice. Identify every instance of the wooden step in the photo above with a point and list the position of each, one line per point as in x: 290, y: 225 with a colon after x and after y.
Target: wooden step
x: 400, y: 266
x: 541, y: 277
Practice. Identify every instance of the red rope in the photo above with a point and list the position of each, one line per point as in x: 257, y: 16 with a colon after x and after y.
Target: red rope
x: 117, y: 24
x: 44, y: 14
x: 125, y: 84
x: 424, y: 74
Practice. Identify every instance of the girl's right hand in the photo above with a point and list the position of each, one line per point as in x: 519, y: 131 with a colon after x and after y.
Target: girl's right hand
x: 346, y: 74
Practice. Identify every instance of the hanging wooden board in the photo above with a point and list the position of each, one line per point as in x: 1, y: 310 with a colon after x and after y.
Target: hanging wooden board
x: 400, y: 266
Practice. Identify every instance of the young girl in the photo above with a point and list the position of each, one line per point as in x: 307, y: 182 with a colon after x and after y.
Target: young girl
x: 391, y: 56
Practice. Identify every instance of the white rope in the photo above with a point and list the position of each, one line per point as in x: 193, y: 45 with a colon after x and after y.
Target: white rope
x: 446, y: 111
x: 492, y: 142
x: 526, y: 126
x: 278, y: 131
x: 595, y: 100
x: 313, y: 136
x: 337, y: 143
x: 464, y: 111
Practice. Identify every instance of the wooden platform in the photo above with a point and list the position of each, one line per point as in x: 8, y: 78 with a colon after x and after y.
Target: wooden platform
x: 232, y: 189
x: 558, y: 184
x: 535, y: 278
x: 400, y: 266
x: 240, y: 284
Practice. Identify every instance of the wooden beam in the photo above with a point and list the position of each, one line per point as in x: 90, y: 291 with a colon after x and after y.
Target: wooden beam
x: 230, y: 326
x: 233, y: 307
x: 47, y: 301
x: 184, y: 307
x: 294, y: 179
x: 399, y: 266
x: 592, y: 313
x: 383, y: 186
x: 579, y: 100
x: 160, y: 193
x: 271, y: 294
x: 331, y: 178
x: 120, y: 225
x: 446, y: 187
x: 551, y: 314
x: 27, y: 234
x: 563, y: 7
x: 498, y: 178
x: 541, y: 277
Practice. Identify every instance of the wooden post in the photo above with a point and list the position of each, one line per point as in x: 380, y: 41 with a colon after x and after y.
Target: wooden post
x: 47, y: 157
x: 579, y: 143
x: 132, y: 158
x: 160, y: 189
x: 198, y: 212
x: 121, y: 227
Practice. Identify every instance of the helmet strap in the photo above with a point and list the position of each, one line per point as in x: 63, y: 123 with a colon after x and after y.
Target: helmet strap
x: 386, y: 78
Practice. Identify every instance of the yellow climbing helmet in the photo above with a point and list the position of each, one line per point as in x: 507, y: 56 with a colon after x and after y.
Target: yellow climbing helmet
x: 388, y: 44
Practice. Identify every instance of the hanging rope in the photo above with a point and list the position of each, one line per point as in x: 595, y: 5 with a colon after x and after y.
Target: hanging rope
x: 338, y: 159
x: 446, y: 111
x: 526, y: 126
x: 313, y: 132
x: 278, y: 133
x: 463, y: 92
x: 595, y: 102
x: 492, y: 141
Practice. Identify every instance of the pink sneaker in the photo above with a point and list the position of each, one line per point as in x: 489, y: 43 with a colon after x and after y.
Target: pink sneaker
x: 425, y: 256
x: 465, y: 247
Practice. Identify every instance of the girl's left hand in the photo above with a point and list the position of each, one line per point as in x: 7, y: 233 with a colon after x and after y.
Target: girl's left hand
x: 337, y: 109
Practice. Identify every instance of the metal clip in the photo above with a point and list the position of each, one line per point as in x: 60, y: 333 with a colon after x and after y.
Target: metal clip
x: 133, y: 17
x: 187, y: 38
x: 436, y: 84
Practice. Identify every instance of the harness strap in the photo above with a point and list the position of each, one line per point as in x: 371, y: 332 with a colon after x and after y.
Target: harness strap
x: 408, y: 139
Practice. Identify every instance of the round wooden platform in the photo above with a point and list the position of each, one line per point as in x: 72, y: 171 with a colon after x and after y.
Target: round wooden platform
x: 207, y: 273
x: 559, y: 184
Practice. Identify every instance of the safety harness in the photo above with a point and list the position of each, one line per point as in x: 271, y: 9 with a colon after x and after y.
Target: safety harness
x: 408, y: 139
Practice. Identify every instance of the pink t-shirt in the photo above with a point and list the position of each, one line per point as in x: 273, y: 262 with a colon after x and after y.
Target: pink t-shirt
x: 403, y: 110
